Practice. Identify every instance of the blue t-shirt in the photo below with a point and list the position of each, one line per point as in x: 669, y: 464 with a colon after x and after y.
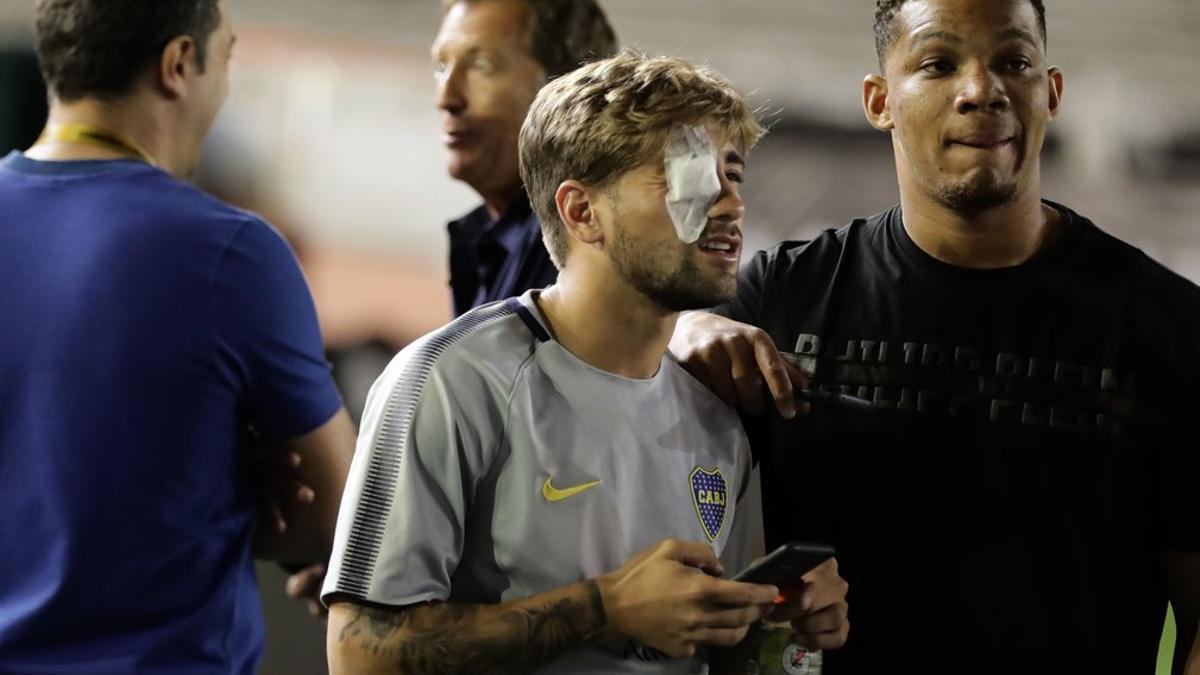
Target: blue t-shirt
x: 143, y: 326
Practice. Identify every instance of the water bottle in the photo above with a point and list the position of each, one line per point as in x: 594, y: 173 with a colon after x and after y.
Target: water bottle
x: 778, y: 655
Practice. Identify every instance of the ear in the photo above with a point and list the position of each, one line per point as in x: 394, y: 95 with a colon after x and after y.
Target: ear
x: 177, y: 65
x: 1055, y: 82
x: 577, y: 210
x: 875, y: 102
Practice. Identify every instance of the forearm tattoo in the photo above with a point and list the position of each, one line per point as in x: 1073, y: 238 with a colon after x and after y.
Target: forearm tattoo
x: 449, y: 639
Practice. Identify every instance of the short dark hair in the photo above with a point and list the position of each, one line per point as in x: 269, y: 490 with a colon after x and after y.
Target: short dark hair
x: 564, y: 34
x: 98, y: 47
x: 885, y: 24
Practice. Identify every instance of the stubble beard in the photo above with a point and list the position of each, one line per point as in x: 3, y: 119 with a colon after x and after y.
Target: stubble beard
x: 975, y: 195
x: 679, y: 289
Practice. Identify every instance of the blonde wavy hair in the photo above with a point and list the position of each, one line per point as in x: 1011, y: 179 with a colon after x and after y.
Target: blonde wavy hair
x: 608, y: 117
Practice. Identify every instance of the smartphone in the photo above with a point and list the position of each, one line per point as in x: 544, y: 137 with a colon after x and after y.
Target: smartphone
x: 784, y: 566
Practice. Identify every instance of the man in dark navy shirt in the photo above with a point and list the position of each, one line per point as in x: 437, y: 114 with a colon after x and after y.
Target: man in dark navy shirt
x: 495, y: 258
x: 491, y: 57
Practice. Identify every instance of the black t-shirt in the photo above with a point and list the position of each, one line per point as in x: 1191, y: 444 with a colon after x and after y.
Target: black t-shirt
x: 1030, y: 454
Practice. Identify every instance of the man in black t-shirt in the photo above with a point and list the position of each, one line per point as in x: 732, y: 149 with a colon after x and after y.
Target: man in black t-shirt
x: 1023, y: 493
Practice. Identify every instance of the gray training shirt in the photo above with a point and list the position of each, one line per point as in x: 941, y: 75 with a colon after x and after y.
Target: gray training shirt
x: 492, y: 464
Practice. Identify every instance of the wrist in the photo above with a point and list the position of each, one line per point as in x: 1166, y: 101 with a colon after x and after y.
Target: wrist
x: 604, y: 593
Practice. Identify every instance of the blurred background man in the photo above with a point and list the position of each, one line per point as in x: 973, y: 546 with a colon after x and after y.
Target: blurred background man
x: 491, y: 58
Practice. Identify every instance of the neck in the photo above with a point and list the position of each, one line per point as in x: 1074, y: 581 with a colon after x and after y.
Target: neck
x: 1002, y: 236
x: 608, y: 324
x: 128, y: 119
x: 498, y: 201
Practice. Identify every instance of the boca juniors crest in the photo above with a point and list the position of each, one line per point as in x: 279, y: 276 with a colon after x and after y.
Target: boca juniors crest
x: 709, y: 497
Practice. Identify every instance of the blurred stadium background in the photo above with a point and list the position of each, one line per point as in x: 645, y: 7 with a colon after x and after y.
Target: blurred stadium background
x: 330, y: 132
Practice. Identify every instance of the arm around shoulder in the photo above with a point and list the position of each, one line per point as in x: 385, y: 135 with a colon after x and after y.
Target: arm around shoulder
x: 735, y: 360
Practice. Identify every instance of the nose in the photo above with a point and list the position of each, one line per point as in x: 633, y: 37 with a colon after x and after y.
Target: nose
x: 729, y: 207
x: 981, y: 90
x: 450, y: 96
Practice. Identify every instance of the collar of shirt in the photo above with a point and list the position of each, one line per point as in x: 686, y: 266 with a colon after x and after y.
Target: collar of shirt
x: 508, y: 230
x: 475, y: 242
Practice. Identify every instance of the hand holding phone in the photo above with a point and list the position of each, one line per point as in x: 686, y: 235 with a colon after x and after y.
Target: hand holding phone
x: 785, y: 566
x: 818, y: 613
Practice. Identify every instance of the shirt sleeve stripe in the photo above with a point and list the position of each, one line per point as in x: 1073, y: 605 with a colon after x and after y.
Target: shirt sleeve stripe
x: 382, y: 476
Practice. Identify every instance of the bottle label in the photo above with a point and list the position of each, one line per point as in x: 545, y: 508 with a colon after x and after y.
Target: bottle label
x: 797, y: 660
x: 778, y: 655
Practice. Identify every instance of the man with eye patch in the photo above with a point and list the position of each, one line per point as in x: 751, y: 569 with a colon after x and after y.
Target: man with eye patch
x: 537, y: 487
x: 1021, y: 494
x: 491, y: 57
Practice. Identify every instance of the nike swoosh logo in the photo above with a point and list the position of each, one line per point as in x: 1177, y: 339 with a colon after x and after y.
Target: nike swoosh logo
x: 553, y: 494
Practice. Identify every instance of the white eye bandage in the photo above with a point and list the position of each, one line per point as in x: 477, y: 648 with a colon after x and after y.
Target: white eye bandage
x: 693, y: 186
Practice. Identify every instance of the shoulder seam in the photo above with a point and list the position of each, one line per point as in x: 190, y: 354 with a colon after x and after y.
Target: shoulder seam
x: 501, y: 439
x: 216, y: 325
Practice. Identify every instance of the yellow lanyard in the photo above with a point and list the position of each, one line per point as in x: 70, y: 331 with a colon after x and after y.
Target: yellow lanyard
x: 89, y: 135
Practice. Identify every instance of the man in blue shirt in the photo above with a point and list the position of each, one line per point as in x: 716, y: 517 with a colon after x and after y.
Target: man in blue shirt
x: 149, y: 331
x: 491, y: 57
